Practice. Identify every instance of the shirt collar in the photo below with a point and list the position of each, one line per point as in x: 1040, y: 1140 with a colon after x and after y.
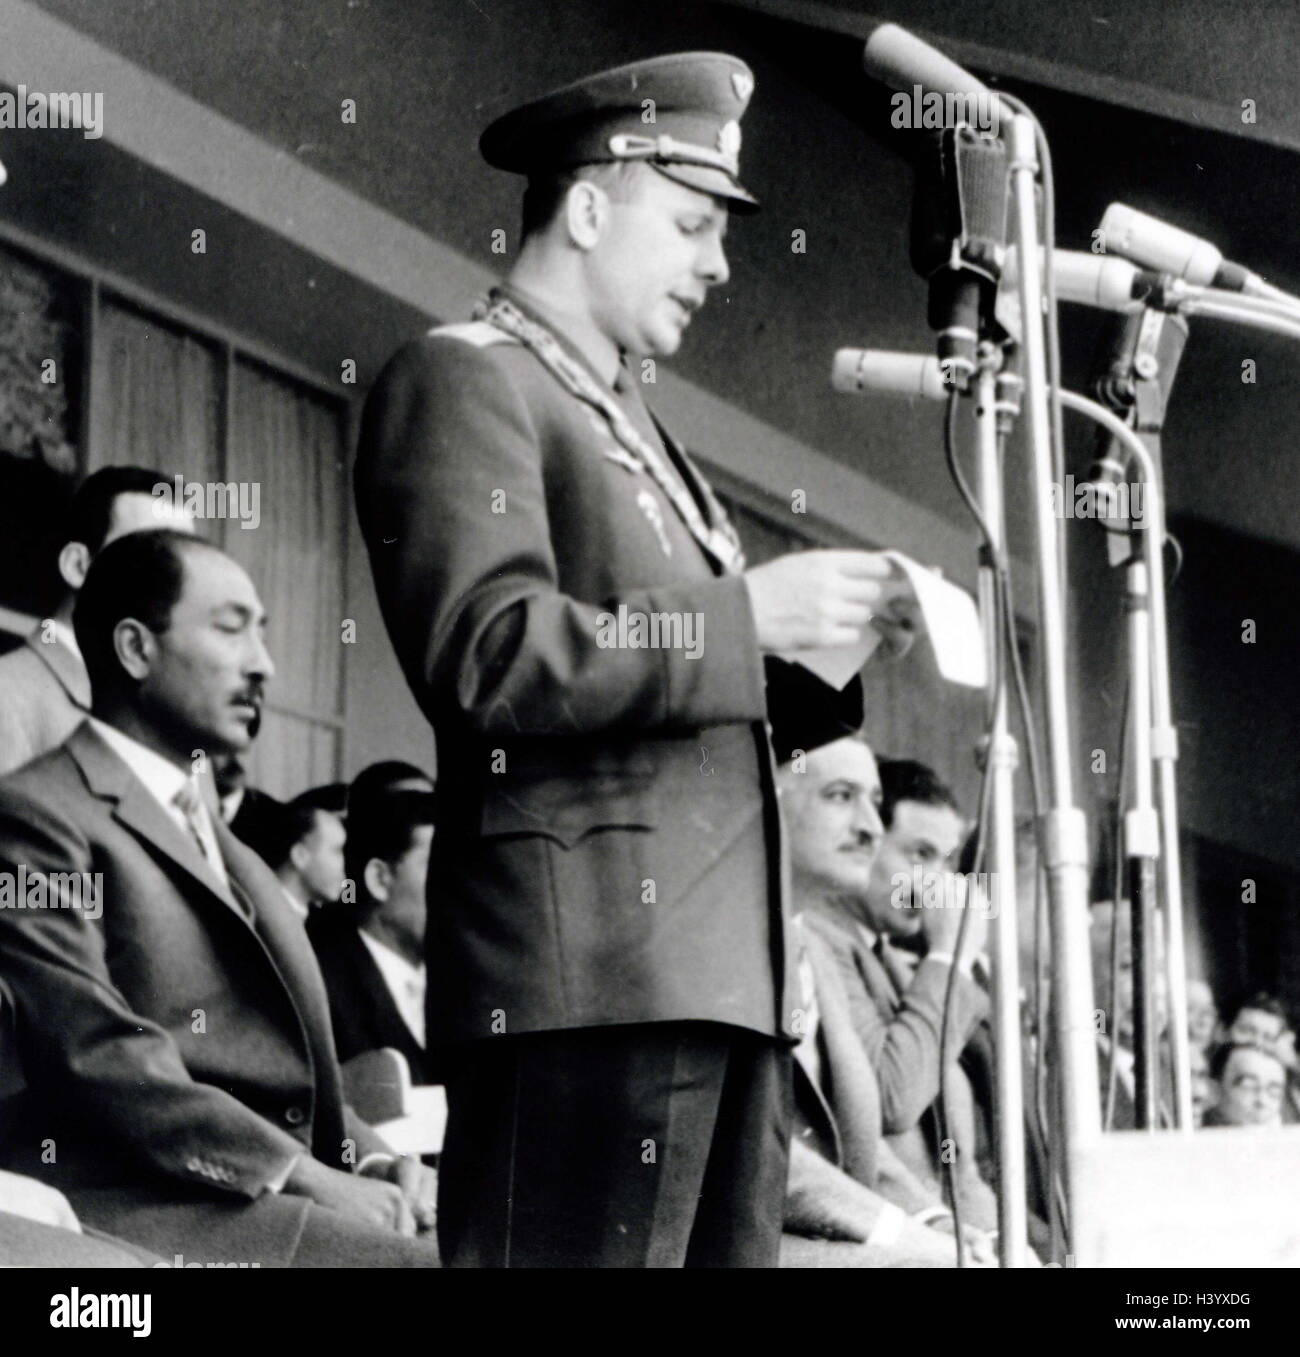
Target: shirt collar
x: 160, y: 776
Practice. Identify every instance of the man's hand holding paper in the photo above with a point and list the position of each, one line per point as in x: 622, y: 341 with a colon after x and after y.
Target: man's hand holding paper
x: 829, y: 610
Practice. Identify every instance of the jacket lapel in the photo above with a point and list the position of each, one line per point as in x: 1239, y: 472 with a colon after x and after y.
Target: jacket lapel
x: 136, y: 808
x: 847, y: 1069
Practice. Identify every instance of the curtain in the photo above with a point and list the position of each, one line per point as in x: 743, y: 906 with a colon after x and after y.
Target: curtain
x: 156, y: 398
x: 286, y: 445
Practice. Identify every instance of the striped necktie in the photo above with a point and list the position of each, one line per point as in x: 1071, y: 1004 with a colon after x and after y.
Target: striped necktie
x: 189, y: 801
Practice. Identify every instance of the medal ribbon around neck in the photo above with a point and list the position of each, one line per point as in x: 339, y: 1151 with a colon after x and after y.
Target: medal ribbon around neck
x: 720, y: 542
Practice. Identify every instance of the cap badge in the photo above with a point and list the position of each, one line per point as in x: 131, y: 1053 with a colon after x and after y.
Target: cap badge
x: 743, y: 83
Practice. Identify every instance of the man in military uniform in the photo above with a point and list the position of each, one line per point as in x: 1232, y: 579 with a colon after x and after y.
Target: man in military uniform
x: 608, y: 953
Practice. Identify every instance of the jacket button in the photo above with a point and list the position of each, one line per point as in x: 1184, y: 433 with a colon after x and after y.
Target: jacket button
x: 295, y: 1116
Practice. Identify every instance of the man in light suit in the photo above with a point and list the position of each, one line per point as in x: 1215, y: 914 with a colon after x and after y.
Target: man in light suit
x: 183, y: 1086
x: 851, y: 1202
x: 608, y: 959
x: 897, y: 1010
x: 44, y: 691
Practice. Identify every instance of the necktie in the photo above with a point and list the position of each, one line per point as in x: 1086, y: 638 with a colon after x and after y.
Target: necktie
x: 190, y: 803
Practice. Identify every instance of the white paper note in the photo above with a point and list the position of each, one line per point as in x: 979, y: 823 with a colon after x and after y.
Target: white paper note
x: 950, y: 618
x: 952, y: 622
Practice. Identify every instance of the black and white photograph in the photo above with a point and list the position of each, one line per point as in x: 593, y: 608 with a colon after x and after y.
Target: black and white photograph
x: 649, y: 635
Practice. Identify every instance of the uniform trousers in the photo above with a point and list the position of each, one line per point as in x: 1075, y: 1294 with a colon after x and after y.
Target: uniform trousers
x: 651, y: 1145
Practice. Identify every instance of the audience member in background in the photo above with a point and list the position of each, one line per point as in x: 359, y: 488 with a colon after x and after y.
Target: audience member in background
x: 924, y: 831
x: 851, y: 1202
x: 188, y: 1074
x: 1116, y: 1059
x: 1255, y: 1018
x: 1202, y: 1015
x: 371, y: 951
x: 1251, y: 1086
x: 1203, y: 1089
x: 44, y: 691
x: 896, y: 1009
x: 304, y: 849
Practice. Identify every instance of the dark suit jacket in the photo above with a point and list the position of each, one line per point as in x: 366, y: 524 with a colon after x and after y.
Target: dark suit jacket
x: 44, y: 697
x: 364, y: 1016
x: 256, y: 820
x: 177, y: 1047
x: 608, y: 842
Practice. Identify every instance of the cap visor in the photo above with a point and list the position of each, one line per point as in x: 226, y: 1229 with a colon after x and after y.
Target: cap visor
x: 705, y: 179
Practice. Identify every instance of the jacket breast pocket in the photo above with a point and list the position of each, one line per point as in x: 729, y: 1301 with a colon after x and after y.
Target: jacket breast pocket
x: 567, y: 810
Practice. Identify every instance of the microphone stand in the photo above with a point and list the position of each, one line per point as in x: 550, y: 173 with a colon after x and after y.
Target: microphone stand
x: 993, y: 419
x: 1063, y: 828
x: 1142, y: 389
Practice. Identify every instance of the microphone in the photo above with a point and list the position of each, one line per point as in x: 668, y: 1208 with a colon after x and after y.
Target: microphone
x: 902, y: 61
x: 1097, y: 280
x: 1144, y: 345
x: 858, y: 371
x: 1167, y: 249
x: 957, y: 241
x: 959, y: 212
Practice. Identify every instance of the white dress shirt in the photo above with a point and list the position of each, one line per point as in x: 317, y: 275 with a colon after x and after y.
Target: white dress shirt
x: 405, y: 982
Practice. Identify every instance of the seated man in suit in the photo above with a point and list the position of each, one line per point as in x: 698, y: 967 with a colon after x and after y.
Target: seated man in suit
x: 185, y: 1091
x: 851, y: 1201
x: 44, y: 692
x: 371, y: 951
x: 898, y: 1004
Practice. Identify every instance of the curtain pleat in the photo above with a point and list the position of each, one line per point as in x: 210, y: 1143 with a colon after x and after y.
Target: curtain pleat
x: 156, y: 398
x: 287, y: 444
